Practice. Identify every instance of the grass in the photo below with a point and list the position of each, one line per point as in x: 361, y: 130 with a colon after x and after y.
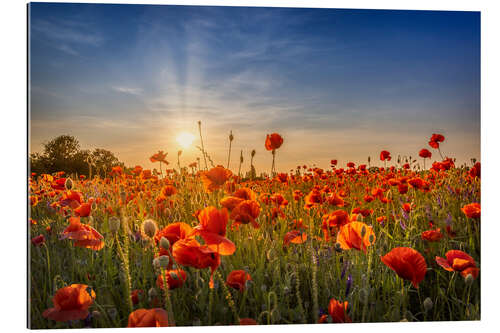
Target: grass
x: 290, y: 284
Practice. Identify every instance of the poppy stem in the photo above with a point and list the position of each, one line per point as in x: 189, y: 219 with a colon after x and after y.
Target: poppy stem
x: 229, y: 298
x: 168, y: 303
x: 272, y: 166
x: 202, y: 147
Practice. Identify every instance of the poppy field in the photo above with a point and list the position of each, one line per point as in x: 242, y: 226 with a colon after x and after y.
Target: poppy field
x: 396, y: 239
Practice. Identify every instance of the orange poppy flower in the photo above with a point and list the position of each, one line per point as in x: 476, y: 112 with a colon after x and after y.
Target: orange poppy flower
x: 168, y: 191
x: 338, y: 311
x: 356, y: 235
x: 83, y: 235
x: 432, y: 235
x: 246, y: 212
x: 248, y: 321
x: 335, y: 200
x: 458, y: 261
x: 385, y: 155
x: 472, y: 211
x: 159, y: 157
x: 230, y: 202
x: 84, y: 209
x: 237, y: 279
x: 214, y: 178
x: 71, y: 303
x: 294, y: 237
x: 273, y: 141
x: 407, y: 207
x: 408, y: 263
x: 156, y: 317
x: 175, y: 279
x: 212, y: 229
x: 188, y: 252
x: 173, y: 232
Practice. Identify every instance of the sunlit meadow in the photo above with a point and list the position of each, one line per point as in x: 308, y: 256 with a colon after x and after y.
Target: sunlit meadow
x: 349, y: 244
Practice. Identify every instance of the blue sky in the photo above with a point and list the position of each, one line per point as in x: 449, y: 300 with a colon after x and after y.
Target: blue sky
x: 337, y: 84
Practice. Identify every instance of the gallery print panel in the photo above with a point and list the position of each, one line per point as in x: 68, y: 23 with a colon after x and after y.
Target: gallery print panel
x: 205, y: 166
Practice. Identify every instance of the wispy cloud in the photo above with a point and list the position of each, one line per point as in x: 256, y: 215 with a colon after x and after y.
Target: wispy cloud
x: 128, y: 90
x: 61, y: 31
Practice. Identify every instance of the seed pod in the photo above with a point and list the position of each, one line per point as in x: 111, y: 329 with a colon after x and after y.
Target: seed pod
x: 114, y: 224
x: 164, y: 243
x: 469, y: 279
x: 428, y: 304
x: 68, y: 184
x: 149, y: 228
x: 163, y: 261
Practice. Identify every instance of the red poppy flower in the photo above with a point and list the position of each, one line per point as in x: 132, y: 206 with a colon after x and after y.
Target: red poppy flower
x: 475, y: 171
x: 246, y: 212
x: 173, y: 232
x: 214, y: 178
x: 273, y: 141
x: 432, y: 235
x: 212, y: 229
x: 338, y: 311
x: 333, y: 162
x: 135, y: 295
x: 71, y: 303
x: 435, y: 140
x: 472, y: 211
x: 237, y: 279
x: 156, y: 317
x: 294, y: 237
x: 83, y: 235
x: 188, y: 252
x: 84, y: 209
x: 356, y: 235
x: 460, y: 262
x: 248, y: 321
x: 175, y: 279
x: 408, y: 263
x: 385, y: 155
x: 38, y: 240
x: 425, y: 153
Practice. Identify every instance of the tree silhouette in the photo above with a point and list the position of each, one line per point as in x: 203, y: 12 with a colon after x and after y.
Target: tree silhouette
x: 63, y: 153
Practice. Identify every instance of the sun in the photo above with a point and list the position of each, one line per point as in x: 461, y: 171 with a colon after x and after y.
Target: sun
x: 185, y: 139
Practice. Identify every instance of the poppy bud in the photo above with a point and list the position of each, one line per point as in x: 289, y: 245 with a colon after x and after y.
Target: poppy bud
x: 371, y: 239
x: 428, y: 304
x: 179, y: 153
x: 163, y: 261
x: 338, y: 247
x: 156, y: 263
x: 164, y: 243
x: 96, y: 314
x: 68, y: 184
x: 114, y: 224
x: 231, y: 137
x: 363, y: 232
x: 112, y: 313
x: 149, y: 228
x: 152, y: 293
x: 469, y: 279
x: 253, y: 152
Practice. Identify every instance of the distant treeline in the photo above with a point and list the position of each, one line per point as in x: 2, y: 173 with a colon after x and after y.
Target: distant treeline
x: 63, y: 153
